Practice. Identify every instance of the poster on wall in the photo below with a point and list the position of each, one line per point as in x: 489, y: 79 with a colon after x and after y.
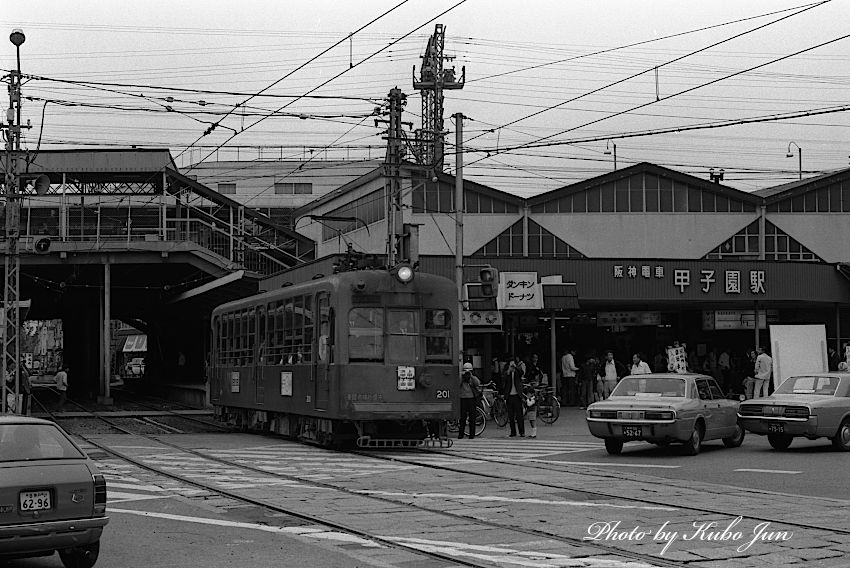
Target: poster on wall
x: 286, y: 383
x: 519, y: 291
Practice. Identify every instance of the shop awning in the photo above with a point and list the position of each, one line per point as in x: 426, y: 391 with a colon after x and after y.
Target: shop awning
x: 135, y: 343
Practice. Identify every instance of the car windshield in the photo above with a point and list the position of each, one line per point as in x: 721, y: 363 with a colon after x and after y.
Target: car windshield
x: 809, y: 385
x: 25, y: 442
x: 650, y: 387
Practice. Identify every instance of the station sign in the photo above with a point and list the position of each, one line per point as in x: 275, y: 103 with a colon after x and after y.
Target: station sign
x: 605, y: 319
x: 737, y: 319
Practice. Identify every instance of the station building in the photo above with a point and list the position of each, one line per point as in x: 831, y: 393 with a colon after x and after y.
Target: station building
x: 632, y: 260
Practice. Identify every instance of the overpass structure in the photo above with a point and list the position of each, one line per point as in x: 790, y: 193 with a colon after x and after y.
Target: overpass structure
x: 121, y: 234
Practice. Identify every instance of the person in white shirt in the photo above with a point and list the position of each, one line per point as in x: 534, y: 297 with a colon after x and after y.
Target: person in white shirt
x: 639, y: 367
x: 763, y: 371
x: 568, y: 377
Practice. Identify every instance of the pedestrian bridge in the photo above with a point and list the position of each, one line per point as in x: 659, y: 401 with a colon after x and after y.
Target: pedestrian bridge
x: 121, y: 234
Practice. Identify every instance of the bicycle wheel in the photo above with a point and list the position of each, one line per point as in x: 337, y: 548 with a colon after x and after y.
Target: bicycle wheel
x: 499, y: 412
x: 549, y: 409
x: 480, y: 420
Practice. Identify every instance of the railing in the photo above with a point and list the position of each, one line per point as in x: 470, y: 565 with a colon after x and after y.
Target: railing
x: 239, y: 250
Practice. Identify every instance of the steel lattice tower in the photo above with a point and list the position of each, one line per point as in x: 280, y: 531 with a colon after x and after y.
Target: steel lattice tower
x: 433, y: 80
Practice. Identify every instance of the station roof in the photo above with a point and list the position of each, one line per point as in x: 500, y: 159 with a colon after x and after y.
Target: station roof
x: 134, y: 164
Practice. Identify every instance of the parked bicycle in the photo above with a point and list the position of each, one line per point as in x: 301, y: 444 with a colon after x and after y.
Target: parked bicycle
x: 494, y: 405
x: 548, y: 406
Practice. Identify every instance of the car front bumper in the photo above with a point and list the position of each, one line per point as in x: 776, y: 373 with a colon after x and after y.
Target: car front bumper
x: 651, y: 430
x: 35, y: 538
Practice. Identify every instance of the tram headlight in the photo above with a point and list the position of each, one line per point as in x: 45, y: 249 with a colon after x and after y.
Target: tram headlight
x: 404, y: 273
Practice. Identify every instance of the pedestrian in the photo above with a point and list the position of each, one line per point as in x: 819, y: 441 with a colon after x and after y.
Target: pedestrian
x: 749, y: 374
x: 587, y: 376
x: 659, y: 364
x: 724, y: 369
x: 639, y: 367
x: 833, y: 359
x: 62, y: 385
x: 470, y: 393
x: 529, y: 401
x: 763, y: 371
x: 533, y: 372
x: 512, y: 390
x: 610, y: 371
x: 568, y: 377
x: 25, y: 390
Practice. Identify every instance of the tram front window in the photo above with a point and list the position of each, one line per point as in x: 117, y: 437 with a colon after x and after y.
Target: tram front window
x: 404, y: 336
x: 438, y: 331
x: 366, y: 334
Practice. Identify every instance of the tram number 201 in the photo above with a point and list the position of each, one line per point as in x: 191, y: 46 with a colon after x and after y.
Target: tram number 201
x: 445, y: 393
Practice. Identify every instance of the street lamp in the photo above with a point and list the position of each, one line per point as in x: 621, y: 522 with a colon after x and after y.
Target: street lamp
x: 608, y: 152
x: 789, y: 154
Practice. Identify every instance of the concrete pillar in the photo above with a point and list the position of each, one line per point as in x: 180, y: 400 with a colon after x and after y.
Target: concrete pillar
x: 106, y: 336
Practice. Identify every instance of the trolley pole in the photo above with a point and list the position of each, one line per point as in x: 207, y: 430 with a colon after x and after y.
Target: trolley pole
x: 10, y: 327
x: 459, y: 227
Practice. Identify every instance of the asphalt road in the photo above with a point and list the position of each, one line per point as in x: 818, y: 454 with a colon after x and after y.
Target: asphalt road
x: 808, y: 467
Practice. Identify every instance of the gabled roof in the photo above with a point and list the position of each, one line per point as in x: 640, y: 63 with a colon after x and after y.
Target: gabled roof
x: 411, y: 168
x: 643, y: 167
x: 771, y: 194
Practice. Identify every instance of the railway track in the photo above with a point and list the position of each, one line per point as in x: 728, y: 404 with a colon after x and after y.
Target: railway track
x: 593, y: 475
x: 617, y: 556
x: 519, y: 471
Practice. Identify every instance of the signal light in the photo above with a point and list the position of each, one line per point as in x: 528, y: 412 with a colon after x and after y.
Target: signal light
x: 489, y: 278
x: 42, y: 246
x: 404, y: 273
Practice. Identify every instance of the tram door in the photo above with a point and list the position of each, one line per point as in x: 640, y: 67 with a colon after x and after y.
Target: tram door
x: 259, y: 350
x: 324, y: 350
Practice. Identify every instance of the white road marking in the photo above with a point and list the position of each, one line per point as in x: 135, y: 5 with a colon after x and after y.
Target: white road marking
x: 504, y: 555
x: 500, y: 499
x: 785, y: 471
x: 122, y: 497
x: 299, y: 531
x: 611, y: 464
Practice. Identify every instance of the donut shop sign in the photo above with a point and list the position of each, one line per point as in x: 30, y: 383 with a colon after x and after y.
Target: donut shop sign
x: 731, y: 281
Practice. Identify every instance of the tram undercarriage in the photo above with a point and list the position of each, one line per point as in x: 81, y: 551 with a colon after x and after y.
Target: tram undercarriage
x: 327, y: 432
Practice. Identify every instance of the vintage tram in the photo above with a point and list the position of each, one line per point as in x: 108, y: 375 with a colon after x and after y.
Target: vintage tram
x: 365, y: 357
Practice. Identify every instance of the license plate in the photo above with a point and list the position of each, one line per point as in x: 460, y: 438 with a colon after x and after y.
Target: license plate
x: 35, y: 500
x: 632, y: 431
x: 776, y: 427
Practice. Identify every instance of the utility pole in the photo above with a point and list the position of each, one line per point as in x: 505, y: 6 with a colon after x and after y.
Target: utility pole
x: 433, y: 80
x: 10, y: 327
x: 392, y: 174
x: 459, y: 226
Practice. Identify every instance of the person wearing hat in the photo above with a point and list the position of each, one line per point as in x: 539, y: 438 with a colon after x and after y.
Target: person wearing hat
x: 470, y: 389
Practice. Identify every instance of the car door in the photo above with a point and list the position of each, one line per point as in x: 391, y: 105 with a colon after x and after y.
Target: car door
x: 726, y: 413
x: 709, y: 408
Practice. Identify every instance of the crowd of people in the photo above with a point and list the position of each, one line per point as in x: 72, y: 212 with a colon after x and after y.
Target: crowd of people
x: 582, y: 381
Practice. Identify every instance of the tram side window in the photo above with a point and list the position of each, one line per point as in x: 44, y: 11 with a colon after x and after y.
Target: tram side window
x: 438, y: 335
x: 404, y: 336
x: 366, y: 334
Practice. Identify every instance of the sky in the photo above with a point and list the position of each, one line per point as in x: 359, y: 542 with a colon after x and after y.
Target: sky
x: 552, y: 88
